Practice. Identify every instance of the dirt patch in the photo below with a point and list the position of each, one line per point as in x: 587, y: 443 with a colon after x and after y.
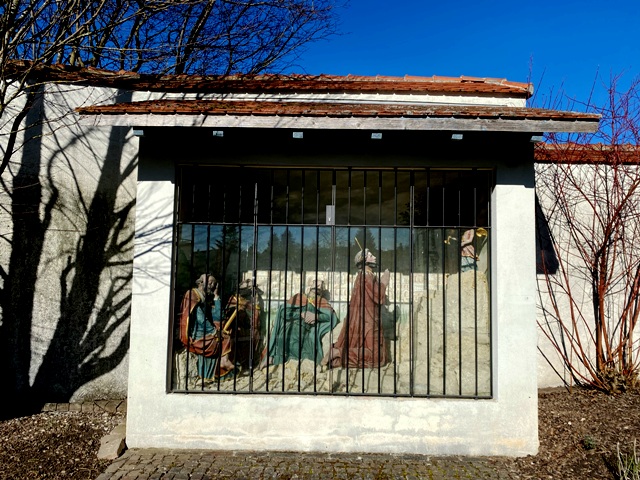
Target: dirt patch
x: 579, y: 432
x: 55, y: 445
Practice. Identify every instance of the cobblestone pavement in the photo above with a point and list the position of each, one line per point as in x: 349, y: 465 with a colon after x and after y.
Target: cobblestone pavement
x: 155, y: 464
x: 164, y: 464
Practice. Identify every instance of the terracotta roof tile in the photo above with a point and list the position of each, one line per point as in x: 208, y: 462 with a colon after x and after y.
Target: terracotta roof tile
x: 595, y: 153
x: 221, y: 107
x: 270, y: 82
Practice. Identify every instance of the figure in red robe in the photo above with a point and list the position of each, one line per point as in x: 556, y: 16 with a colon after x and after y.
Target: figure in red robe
x: 200, y: 328
x: 361, y: 343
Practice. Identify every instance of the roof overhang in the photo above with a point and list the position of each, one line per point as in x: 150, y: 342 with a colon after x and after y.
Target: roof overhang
x: 587, y: 154
x: 332, y: 116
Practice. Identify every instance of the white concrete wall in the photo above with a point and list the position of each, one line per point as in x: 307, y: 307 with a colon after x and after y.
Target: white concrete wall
x: 504, y: 425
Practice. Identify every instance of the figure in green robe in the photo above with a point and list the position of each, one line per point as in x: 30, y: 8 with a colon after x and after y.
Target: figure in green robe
x: 299, y: 327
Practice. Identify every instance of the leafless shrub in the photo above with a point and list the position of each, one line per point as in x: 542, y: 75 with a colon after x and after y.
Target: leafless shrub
x: 589, y: 189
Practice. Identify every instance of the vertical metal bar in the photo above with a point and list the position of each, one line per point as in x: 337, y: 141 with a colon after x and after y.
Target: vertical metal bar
x: 333, y: 254
x: 270, y: 276
x: 380, y: 341
x: 193, y: 236
x: 489, y: 184
x: 444, y: 292
x: 412, y: 211
x: 176, y: 344
x: 315, y: 325
x: 286, y: 272
x: 193, y: 204
x: 364, y: 273
x: 428, y: 279
x: 186, y: 380
x: 171, y: 378
x: 223, y: 274
x: 460, y: 233
x: 475, y: 275
x: 207, y: 270
x: 254, y: 268
x: 348, y: 318
x: 302, y: 274
x: 236, y: 326
x: 395, y: 281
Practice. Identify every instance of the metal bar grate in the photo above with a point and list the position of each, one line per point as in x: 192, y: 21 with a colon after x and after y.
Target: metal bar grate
x: 337, y: 282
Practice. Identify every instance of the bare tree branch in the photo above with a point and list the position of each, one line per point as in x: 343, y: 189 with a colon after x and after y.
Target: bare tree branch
x: 590, y: 306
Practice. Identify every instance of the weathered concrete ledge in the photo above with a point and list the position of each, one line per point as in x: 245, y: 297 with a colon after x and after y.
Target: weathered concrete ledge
x: 111, y: 406
x: 113, y: 444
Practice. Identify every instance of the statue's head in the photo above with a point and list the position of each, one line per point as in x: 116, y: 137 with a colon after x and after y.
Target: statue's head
x: 316, y: 287
x: 365, y: 256
x: 246, y: 288
x: 207, y: 283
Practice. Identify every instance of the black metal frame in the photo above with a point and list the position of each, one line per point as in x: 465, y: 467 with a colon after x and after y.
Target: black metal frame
x: 213, y: 200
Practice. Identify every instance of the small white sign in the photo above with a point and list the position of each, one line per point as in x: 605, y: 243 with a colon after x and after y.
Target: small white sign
x: 331, y: 214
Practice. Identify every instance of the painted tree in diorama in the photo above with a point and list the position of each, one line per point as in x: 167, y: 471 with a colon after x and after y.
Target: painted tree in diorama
x: 154, y: 37
x: 589, y: 190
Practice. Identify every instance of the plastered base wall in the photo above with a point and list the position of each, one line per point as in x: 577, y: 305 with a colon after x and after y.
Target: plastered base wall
x: 504, y: 425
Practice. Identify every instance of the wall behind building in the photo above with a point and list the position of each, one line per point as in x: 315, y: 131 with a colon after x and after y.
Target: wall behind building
x: 67, y: 228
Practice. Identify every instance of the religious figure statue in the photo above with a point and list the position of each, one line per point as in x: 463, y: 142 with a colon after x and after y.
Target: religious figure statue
x: 468, y: 251
x: 299, y: 327
x: 361, y: 342
x: 200, y: 315
x: 242, y: 325
x: 468, y: 254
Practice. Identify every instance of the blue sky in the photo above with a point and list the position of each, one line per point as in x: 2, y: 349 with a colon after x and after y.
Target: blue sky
x: 561, y: 45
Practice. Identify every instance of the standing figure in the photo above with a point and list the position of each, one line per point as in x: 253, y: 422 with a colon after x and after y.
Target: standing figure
x: 200, y: 314
x: 242, y: 325
x: 468, y: 252
x: 361, y: 342
x: 299, y: 327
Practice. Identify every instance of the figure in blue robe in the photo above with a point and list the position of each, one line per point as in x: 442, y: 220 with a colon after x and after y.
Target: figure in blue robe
x: 201, y: 311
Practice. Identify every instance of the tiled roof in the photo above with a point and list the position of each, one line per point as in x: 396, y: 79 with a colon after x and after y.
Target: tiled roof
x: 315, y: 109
x: 325, y: 115
x: 596, y: 153
x: 270, y: 83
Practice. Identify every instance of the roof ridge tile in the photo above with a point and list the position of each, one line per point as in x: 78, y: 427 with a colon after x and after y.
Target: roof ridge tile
x: 270, y: 82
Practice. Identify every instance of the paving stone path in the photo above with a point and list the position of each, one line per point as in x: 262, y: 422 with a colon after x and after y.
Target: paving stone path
x: 166, y: 464
x: 155, y: 464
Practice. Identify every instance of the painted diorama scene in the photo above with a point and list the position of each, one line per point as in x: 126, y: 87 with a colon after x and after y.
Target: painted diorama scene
x: 313, y: 294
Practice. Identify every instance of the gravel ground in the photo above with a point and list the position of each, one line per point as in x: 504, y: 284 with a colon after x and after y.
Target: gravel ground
x: 579, y: 434
x: 54, y: 445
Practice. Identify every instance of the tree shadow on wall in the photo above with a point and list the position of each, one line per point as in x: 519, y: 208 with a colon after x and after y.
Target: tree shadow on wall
x: 93, y: 259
